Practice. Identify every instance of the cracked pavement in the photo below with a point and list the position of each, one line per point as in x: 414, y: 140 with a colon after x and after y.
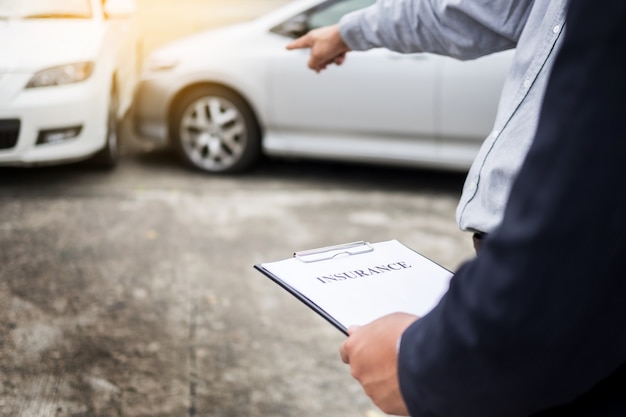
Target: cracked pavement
x: 132, y: 293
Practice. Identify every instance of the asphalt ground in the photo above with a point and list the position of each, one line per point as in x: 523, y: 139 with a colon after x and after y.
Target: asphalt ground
x: 133, y: 293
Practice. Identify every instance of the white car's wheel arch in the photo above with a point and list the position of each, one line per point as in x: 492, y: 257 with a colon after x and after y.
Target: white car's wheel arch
x: 245, y: 108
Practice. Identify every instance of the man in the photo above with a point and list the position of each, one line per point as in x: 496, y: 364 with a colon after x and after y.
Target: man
x: 465, y: 29
x: 535, y: 325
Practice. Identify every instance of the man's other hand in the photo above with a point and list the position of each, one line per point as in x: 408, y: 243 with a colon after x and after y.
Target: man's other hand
x: 371, y: 352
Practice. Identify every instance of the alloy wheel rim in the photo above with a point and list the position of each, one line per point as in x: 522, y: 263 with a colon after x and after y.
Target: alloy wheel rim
x: 213, y: 133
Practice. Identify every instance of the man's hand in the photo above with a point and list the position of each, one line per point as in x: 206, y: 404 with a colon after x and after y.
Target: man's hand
x: 371, y: 351
x: 327, y: 47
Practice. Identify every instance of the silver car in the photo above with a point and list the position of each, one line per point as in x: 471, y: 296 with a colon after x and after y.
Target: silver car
x: 225, y: 97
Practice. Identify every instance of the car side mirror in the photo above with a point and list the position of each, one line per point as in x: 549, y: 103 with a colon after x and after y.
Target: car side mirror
x: 119, y: 9
x: 294, y: 28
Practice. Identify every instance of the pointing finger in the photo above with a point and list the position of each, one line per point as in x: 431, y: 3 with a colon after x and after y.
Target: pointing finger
x: 301, y: 42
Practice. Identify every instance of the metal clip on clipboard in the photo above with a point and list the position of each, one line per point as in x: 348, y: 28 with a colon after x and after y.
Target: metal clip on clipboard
x: 331, y: 252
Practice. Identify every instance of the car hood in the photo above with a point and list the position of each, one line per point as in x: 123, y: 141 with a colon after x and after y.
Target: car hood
x: 224, y: 38
x: 32, y: 44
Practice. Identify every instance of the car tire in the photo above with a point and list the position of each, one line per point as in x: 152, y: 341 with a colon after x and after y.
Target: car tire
x: 215, y: 130
x: 109, y: 156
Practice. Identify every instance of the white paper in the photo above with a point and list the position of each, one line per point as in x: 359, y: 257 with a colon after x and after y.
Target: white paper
x: 357, y: 289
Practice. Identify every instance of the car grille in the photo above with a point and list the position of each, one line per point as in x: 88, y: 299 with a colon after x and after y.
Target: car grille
x: 9, y: 131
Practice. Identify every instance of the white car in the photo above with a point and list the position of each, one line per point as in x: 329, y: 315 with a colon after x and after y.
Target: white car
x: 68, y: 69
x: 227, y: 96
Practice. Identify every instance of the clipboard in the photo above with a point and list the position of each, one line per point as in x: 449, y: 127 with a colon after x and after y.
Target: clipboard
x: 357, y: 282
x: 331, y: 252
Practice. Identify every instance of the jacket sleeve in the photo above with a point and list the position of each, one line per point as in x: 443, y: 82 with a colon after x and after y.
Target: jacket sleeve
x: 464, y: 29
x: 537, y: 319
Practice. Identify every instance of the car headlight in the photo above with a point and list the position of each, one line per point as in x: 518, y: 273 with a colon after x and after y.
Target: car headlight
x: 63, y: 74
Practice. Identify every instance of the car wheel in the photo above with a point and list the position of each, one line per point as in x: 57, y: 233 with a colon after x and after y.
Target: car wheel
x: 108, y: 156
x: 215, y: 130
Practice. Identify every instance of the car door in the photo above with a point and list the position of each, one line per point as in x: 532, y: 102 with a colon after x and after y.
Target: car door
x: 470, y: 91
x: 377, y: 94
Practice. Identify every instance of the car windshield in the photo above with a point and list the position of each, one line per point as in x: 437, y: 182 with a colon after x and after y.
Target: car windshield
x: 45, y: 9
x: 329, y: 15
x: 326, y: 13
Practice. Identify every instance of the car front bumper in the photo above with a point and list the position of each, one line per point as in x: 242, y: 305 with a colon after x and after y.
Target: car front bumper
x: 79, y: 110
x: 151, y: 104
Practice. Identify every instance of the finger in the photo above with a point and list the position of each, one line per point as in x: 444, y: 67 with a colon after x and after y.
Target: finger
x: 343, y: 352
x: 327, y: 63
x: 301, y: 42
x: 315, y: 66
x: 339, y: 59
x: 353, y: 329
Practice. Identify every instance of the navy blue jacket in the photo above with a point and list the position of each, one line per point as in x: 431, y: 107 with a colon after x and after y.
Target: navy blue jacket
x: 536, y: 324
